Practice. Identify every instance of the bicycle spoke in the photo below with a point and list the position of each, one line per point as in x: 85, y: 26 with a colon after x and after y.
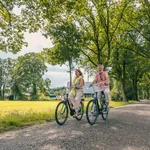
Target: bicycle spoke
x: 92, y: 112
x: 61, y: 113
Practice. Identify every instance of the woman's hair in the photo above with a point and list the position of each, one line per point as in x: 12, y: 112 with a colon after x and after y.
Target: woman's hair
x: 79, y: 72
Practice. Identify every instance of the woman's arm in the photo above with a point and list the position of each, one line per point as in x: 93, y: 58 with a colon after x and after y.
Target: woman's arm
x: 81, y: 83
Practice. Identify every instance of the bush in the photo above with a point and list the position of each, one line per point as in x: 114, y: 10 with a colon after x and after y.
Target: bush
x: 44, y: 98
x: 116, y: 94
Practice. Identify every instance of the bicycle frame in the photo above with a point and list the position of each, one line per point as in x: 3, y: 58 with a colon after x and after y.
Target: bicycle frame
x: 95, y: 108
x: 102, y: 101
x: 67, y: 101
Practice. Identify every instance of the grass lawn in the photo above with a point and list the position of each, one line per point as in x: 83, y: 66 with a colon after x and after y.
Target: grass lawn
x: 21, y: 113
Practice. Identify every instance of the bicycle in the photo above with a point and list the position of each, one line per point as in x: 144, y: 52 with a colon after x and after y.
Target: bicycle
x: 62, y: 109
x: 94, y: 109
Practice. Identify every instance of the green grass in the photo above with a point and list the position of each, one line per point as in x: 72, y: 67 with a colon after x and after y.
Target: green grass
x: 14, y: 114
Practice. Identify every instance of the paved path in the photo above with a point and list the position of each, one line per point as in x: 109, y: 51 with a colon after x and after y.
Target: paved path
x: 127, y: 128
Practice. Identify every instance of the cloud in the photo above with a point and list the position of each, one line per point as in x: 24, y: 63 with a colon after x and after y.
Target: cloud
x: 58, y: 78
x: 58, y: 75
x: 36, y: 42
x: 58, y: 68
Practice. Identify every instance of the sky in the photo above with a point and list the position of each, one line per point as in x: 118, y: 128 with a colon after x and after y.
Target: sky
x: 36, y: 42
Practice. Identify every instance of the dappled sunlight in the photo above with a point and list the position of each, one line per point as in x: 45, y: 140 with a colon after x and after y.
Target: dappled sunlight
x: 135, y: 148
x: 62, y: 135
x: 114, y: 128
x: 8, y: 136
x: 55, y: 136
x: 75, y: 133
x: 27, y: 135
x: 50, y: 147
x: 142, y: 113
x: 51, y: 132
x: 145, y: 113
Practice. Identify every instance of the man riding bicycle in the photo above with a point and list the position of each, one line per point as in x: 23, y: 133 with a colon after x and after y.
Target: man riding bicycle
x: 102, y: 79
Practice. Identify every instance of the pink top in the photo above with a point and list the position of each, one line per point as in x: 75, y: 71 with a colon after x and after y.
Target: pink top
x: 102, y: 80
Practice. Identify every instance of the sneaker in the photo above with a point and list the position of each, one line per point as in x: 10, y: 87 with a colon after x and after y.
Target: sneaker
x: 106, y: 109
x: 72, y: 112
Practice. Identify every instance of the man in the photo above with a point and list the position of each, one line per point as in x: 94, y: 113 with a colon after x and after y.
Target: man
x: 102, y: 79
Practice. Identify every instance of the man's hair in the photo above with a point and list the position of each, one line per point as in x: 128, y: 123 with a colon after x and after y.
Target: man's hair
x: 100, y: 65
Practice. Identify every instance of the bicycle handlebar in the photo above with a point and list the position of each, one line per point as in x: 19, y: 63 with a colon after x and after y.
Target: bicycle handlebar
x: 92, y: 87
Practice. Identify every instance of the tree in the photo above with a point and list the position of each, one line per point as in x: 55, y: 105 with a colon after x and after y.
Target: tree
x: 66, y: 39
x: 47, y: 83
x: 28, y: 73
x: 11, y: 28
x: 6, y: 69
x: 115, y: 33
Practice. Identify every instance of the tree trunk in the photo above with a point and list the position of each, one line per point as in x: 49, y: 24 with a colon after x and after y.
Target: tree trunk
x: 70, y: 72
x: 98, y: 56
x: 34, y: 91
x: 3, y: 92
x: 124, y: 91
x: 134, y: 88
x: 148, y: 93
x: 123, y: 82
x: 0, y: 93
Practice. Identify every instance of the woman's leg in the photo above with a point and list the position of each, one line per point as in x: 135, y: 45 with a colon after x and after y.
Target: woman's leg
x: 77, y: 100
x: 71, y: 99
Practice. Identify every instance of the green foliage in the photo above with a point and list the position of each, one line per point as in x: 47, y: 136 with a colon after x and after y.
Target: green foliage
x: 28, y: 73
x: 11, y: 28
x: 115, y: 33
x: 58, y: 91
x: 44, y: 97
x: 116, y: 94
x: 6, y: 70
x: 66, y: 39
x: 16, y: 119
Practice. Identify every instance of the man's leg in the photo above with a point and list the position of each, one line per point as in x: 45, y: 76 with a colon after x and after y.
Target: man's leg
x: 99, y: 95
x: 107, y: 96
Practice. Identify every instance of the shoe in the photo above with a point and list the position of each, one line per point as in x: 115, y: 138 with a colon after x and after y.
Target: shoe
x: 94, y: 113
x: 72, y: 112
x: 75, y: 115
x: 107, y: 108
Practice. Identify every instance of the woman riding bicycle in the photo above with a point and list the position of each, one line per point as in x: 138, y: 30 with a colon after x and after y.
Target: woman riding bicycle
x: 102, y: 79
x: 76, y: 92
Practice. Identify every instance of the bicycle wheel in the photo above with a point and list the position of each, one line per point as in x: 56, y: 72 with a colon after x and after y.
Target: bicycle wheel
x: 92, y: 112
x: 61, y: 113
x: 80, y: 112
x: 104, y: 111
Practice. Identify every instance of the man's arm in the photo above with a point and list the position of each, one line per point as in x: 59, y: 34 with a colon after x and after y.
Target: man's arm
x: 107, y: 79
x: 94, y: 81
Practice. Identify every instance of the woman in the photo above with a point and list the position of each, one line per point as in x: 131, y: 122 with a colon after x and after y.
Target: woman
x: 76, y: 92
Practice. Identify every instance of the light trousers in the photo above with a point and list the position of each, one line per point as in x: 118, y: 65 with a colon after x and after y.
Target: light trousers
x: 106, y: 92
x: 75, y: 100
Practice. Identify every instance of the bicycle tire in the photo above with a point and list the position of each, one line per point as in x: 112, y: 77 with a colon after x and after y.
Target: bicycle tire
x: 105, y: 112
x: 80, y: 111
x: 92, y: 112
x: 63, y: 110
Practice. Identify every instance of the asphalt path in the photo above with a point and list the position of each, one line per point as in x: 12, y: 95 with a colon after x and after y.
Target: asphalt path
x: 127, y: 128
